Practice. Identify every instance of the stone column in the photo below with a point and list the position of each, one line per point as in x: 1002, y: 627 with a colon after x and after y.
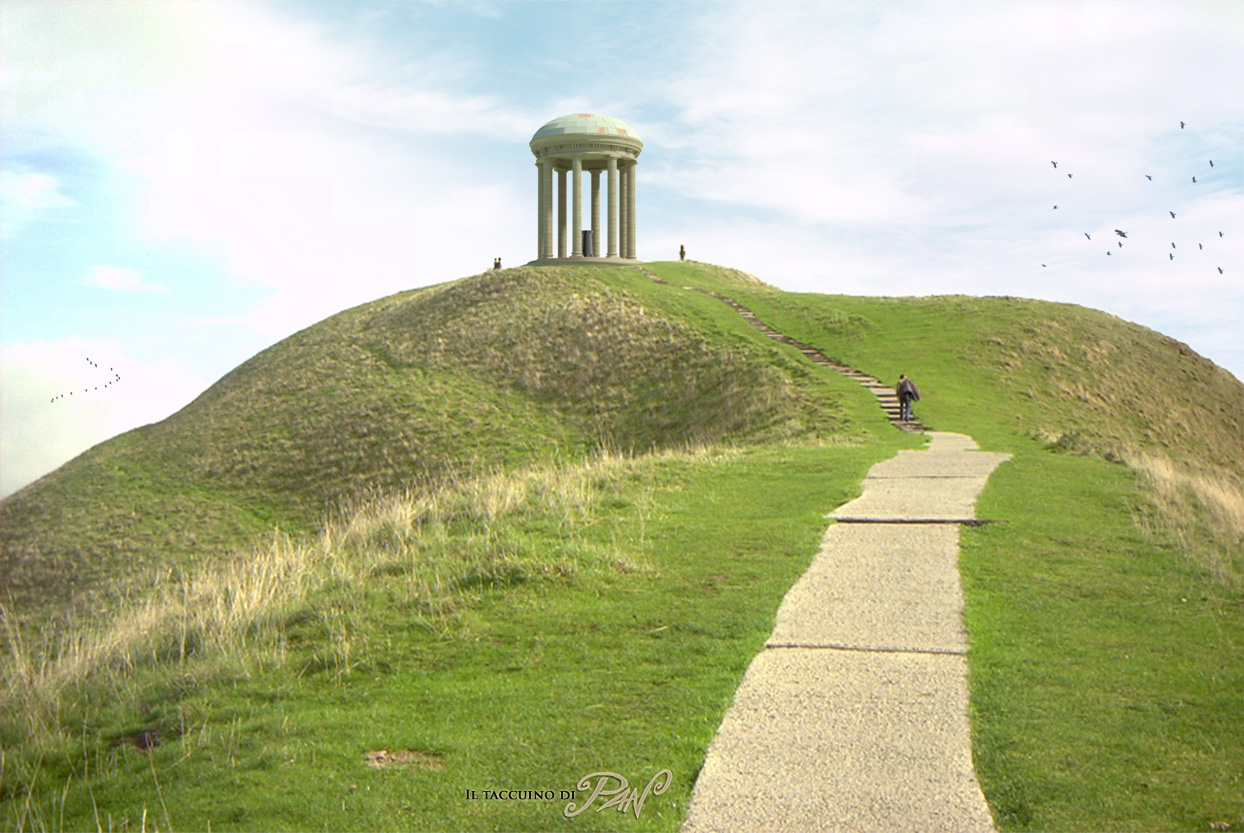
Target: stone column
x: 623, y: 203
x: 561, y: 212
x: 596, y: 213
x: 630, y: 211
x: 546, y: 207
x: 539, y: 210
x: 576, y: 211
x: 612, y: 251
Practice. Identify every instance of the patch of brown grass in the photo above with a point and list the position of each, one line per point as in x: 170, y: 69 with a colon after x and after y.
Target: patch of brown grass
x: 383, y: 758
x: 1202, y: 510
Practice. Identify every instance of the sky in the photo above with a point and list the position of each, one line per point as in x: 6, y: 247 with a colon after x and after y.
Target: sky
x: 184, y: 184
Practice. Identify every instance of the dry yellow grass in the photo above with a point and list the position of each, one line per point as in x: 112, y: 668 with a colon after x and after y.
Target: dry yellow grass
x: 432, y: 546
x: 1203, y: 510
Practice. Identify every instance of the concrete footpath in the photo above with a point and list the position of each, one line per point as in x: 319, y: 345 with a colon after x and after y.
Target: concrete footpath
x: 855, y: 716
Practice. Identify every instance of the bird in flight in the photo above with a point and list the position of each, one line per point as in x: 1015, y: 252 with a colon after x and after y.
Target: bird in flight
x: 1172, y: 254
x: 1220, y: 234
x: 1172, y: 215
x: 1181, y: 125
x: 1109, y: 253
x: 1120, y: 233
x: 1194, y: 179
x: 1148, y: 177
x: 1056, y: 206
x: 1220, y: 270
x: 1211, y: 163
x: 1068, y: 176
x: 1055, y: 164
x: 1199, y: 246
x: 1086, y: 234
x: 1172, y: 245
x: 1120, y: 244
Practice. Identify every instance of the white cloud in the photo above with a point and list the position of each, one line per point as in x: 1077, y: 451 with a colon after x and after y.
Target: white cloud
x: 836, y: 113
x: 57, y: 399
x: 120, y: 279
x: 87, y: 72
x: 296, y: 160
x: 24, y: 195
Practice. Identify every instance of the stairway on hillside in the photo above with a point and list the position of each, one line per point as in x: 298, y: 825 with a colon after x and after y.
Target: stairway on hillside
x: 886, y: 395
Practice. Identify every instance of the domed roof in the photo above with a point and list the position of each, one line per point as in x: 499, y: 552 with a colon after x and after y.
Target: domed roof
x: 586, y: 123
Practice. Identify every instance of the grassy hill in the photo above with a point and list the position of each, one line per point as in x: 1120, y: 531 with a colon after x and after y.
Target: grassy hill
x: 535, y: 524
x: 1008, y: 369
x: 1018, y: 374
x: 497, y: 370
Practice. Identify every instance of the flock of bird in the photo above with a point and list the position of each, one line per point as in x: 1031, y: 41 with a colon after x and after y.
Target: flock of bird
x: 116, y: 377
x: 1123, y: 234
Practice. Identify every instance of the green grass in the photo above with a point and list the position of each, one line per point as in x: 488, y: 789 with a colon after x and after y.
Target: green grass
x: 1009, y: 369
x: 1021, y: 375
x: 532, y: 684
x: 1101, y: 699
x: 466, y: 581
x: 1107, y: 670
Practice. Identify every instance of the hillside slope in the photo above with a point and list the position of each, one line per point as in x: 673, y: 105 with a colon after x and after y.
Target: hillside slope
x: 495, y: 605
x: 499, y: 369
x: 535, y: 364
x: 1085, y: 380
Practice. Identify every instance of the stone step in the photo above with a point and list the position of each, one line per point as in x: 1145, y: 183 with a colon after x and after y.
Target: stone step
x: 887, y: 398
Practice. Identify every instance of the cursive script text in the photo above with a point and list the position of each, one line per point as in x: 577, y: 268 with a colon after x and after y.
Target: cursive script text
x: 613, y: 787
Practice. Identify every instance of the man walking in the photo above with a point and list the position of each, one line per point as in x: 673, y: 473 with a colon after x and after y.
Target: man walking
x: 906, y: 391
